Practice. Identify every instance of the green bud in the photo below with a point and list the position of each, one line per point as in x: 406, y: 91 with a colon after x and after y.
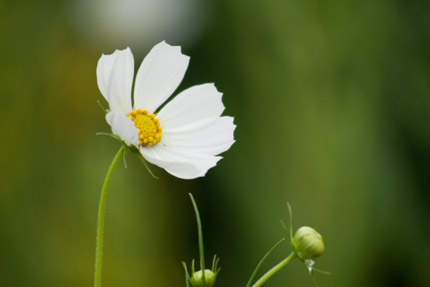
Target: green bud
x: 307, y: 243
x: 197, y: 278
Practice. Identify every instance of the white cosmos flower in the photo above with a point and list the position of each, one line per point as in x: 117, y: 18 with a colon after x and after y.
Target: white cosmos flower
x: 187, y: 134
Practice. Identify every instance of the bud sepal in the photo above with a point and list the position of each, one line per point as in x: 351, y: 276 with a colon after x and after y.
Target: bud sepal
x: 200, y: 278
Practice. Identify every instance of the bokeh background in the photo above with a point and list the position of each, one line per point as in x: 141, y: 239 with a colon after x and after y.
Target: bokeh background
x: 332, y: 103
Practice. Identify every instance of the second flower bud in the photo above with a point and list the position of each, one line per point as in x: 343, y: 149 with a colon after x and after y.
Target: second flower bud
x: 308, y: 243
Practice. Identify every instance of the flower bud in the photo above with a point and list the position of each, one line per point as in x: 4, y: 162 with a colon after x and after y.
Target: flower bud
x: 307, y: 243
x: 197, y: 278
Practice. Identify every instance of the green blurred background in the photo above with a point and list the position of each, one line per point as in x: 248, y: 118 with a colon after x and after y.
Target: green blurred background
x: 332, y: 103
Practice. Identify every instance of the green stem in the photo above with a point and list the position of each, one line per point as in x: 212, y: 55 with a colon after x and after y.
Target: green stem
x: 200, y: 235
x: 275, y: 269
x: 101, y: 219
x: 261, y: 262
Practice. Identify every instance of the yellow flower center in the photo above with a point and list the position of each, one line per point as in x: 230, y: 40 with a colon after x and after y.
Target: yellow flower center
x: 148, y: 127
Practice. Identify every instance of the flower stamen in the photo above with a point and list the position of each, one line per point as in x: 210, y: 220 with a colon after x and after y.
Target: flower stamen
x: 148, y: 127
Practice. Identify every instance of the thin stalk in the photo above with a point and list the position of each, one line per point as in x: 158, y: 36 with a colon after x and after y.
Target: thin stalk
x: 200, y: 235
x: 101, y: 219
x: 261, y: 262
x: 275, y: 269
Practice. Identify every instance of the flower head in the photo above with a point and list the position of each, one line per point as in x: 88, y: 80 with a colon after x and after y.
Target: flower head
x: 197, y: 278
x: 186, y: 135
x: 308, y: 243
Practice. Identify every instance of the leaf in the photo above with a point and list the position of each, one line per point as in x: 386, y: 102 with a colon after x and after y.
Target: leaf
x: 262, y: 261
x: 101, y: 106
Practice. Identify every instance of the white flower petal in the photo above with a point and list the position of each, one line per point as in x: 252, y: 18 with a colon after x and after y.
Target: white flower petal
x: 211, y: 139
x: 160, y: 74
x: 115, y: 78
x: 180, y: 163
x: 179, y: 169
x: 124, y: 127
x: 104, y: 67
x: 202, y: 103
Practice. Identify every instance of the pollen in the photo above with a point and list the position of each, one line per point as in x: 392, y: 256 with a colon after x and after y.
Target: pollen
x: 148, y: 127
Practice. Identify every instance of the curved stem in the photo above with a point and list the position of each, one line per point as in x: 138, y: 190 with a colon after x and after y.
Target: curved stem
x: 101, y: 219
x: 262, y: 261
x: 275, y: 269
